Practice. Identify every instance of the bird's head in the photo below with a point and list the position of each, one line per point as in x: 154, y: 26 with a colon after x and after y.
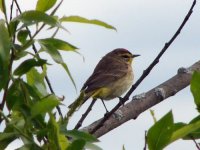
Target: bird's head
x: 123, y: 55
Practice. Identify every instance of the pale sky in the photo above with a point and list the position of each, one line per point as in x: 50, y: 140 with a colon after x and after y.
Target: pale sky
x: 143, y: 27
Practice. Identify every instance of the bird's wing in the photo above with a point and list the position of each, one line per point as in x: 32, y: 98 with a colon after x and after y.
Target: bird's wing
x: 99, y: 80
x: 106, y: 71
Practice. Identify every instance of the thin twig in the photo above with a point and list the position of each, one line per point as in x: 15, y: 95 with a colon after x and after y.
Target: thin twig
x: 35, y: 50
x: 79, y: 124
x: 11, y: 9
x: 197, y: 145
x: 147, y: 71
x: 145, y: 140
x: 59, y: 4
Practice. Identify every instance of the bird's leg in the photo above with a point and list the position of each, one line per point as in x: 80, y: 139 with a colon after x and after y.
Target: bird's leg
x: 104, y: 106
x: 120, y: 100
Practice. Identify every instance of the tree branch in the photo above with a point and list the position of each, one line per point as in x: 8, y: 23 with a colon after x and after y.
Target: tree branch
x: 196, y: 144
x: 79, y: 124
x: 145, y: 73
x: 144, y: 101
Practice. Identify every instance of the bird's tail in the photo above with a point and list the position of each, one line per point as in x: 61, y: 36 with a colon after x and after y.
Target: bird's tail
x: 79, y: 101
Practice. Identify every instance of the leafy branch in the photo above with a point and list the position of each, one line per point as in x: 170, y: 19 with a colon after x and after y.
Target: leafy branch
x: 31, y: 105
x: 35, y: 50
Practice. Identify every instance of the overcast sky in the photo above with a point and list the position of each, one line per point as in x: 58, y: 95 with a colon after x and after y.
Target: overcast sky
x: 143, y: 27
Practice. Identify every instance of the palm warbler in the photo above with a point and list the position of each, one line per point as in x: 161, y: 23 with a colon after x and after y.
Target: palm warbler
x: 112, y: 76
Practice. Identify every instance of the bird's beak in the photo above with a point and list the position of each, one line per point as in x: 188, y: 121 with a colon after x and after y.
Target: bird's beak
x: 135, y: 55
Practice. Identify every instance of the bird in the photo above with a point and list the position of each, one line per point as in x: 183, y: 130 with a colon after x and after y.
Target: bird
x: 112, y: 77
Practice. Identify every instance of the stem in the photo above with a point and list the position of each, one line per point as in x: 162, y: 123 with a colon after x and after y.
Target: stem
x: 197, y: 145
x: 11, y: 9
x: 145, y: 140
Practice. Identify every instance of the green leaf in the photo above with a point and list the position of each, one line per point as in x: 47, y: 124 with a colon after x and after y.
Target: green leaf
x: 26, y: 45
x: 55, y: 138
x: 18, y: 97
x: 2, y: 6
x: 29, y: 147
x: 8, y: 135
x: 16, y: 120
x: 79, y: 19
x: 92, y: 146
x: 69, y: 74
x: 63, y: 142
x: 195, y: 119
x: 50, y: 49
x: 77, y: 145
x: 22, y: 36
x: 31, y: 91
x: 44, y: 5
x: 178, y: 126
x: 53, y: 133
x: 195, y: 134
x: 15, y: 96
x: 19, y: 53
x: 25, y: 66
x: 13, y: 27
x: 75, y: 134
x: 185, y: 130
x: 160, y: 133
x: 36, y: 80
x: 4, y: 135
x: 195, y: 88
x: 5, y: 46
x: 56, y: 56
x: 33, y: 17
x: 59, y: 44
x: 45, y: 105
x: 6, y: 139
x: 4, y: 42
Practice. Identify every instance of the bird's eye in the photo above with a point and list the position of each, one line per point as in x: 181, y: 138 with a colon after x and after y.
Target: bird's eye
x: 125, y: 57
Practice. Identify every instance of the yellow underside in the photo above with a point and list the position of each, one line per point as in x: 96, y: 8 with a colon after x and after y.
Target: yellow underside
x: 101, y: 93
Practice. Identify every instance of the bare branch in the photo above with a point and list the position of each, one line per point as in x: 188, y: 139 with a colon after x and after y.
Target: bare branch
x: 79, y: 124
x: 11, y: 9
x: 142, y: 102
x: 145, y: 73
x: 145, y: 140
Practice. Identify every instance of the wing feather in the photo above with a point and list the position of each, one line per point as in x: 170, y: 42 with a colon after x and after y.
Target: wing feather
x: 107, y: 70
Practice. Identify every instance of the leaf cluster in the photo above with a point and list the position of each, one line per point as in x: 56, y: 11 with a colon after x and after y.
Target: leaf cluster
x: 166, y: 131
x: 26, y: 89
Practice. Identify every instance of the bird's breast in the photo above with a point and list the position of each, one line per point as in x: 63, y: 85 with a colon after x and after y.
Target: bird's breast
x: 120, y: 86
